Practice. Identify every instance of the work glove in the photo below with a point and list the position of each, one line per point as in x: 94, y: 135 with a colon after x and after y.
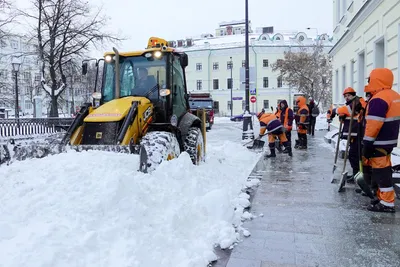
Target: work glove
x: 358, y: 106
x: 368, y: 150
x: 342, y: 117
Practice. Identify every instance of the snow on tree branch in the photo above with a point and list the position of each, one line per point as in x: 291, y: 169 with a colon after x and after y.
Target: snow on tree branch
x: 66, y: 30
x: 309, y: 70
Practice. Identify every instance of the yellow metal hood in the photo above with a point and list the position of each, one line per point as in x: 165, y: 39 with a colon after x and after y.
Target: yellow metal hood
x: 115, y: 110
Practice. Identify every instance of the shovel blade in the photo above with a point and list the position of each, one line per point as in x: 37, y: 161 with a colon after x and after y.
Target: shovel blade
x: 257, y: 144
x: 359, y: 177
x: 342, y: 182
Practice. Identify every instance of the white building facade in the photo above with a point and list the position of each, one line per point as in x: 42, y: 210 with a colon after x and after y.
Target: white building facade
x: 210, y: 69
x: 367, y: 35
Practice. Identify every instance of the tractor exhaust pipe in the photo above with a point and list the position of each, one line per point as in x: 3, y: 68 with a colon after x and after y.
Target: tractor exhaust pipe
x: 117, y: 81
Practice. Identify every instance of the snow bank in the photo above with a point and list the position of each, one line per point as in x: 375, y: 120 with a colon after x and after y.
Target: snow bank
x: 94, y: 209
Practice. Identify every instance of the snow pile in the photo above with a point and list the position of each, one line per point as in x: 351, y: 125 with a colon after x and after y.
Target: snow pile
x: 94, y: 209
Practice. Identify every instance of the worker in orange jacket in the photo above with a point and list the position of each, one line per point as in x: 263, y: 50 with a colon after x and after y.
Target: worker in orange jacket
x: 381, y: 135
x: 344, y: 113
x: 302, y: 122
x: 270, y: 124
x: 286, y: 117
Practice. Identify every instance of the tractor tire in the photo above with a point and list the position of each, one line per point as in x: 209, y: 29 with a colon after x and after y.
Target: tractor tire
x: 155, y: 147
x: 194, y: 145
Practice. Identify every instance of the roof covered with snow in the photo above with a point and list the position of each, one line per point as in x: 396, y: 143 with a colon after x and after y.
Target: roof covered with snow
x: 282, y: 38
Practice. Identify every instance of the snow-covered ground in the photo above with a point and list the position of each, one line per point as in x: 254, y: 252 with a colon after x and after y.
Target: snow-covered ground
x: 94, y: 209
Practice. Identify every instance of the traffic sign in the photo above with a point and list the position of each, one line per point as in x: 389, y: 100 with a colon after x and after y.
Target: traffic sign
x: 253, y: 91
x: 253, y: 99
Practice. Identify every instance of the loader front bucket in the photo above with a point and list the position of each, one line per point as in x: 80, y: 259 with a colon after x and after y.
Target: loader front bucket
x: 11, y: 152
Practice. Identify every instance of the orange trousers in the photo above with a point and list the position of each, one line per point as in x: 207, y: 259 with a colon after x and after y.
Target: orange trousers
x: 380, y: 168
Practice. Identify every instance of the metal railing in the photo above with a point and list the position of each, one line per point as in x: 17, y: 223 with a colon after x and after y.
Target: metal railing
x: 33, y: 126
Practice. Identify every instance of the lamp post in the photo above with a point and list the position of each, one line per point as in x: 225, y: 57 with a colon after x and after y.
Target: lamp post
x: 16, y: 65
x: 231, y: 89
x: 247, y: 133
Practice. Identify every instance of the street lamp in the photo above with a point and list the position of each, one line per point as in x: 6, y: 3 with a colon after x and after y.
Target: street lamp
x: 231, y: 89
x: 16, y: 63
x: 247, y: 134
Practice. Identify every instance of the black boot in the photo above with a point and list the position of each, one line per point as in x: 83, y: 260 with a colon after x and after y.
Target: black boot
x: 297, y: 143
x: 381, y: 208
x: 272, y: 155
x: 288, y: 150
x: 303, y: 142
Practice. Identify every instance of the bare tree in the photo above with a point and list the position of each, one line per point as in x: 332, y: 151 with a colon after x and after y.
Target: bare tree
x: 309, y: 70
x: 66, y: 30
x: 7, y: 17
x: 91, y: 80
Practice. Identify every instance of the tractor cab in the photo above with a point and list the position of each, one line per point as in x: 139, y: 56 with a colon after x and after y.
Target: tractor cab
x: 156, y: 73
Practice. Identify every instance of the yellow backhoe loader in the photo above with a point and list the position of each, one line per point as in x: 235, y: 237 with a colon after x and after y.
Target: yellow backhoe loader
x: 142, y: 108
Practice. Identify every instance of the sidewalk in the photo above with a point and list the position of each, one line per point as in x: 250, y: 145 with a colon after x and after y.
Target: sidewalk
x: 306, y: 222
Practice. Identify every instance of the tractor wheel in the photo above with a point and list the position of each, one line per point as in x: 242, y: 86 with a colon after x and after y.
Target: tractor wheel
x: 156, y: 147
x: 194, y: 145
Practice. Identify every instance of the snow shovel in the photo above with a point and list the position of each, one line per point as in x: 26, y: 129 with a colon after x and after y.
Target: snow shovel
x: 359, y: 177
x: 257, y: 144
x: 337, y: 153
x: 346, y: 153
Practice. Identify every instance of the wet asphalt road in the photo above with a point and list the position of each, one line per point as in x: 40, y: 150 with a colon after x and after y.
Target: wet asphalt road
x: 306, y: 222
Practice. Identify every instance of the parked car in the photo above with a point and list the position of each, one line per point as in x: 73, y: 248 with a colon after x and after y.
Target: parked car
x: 240, y: 117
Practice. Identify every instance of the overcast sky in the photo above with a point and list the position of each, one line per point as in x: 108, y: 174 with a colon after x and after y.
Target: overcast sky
x: 138, y: 20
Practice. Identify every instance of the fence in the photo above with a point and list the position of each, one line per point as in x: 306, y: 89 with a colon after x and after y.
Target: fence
x: 35, y: 126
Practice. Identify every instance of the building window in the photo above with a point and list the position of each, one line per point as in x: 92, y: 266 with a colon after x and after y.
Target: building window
x: 265, y: 82
x: 199, y: 66
x: 351, y: 73
x: 265, y: 63
x: 199, y: 85
x: 215, y: 66
x: 229, y: 106
x: 337, y: 86
x: 279, y: 61
x: 37, y: 77
x: 323, y: 80
x: 3, y: 75
x: 266, y: 104
x: 216, y: 106
x: 279, y: 82
x: 344, y: 7
x: 14, y: 44
x: 344, y: 83
x: 229, y: 83
x: 301, y: 38
x: 243, y: 63
x: 380, y: 54
x: 229, y: 65
x: 215, y: 84
x: 28, y: 104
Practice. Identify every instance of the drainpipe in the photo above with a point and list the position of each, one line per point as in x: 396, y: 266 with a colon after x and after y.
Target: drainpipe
x: 209, y: 71
x: 255, y: 63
